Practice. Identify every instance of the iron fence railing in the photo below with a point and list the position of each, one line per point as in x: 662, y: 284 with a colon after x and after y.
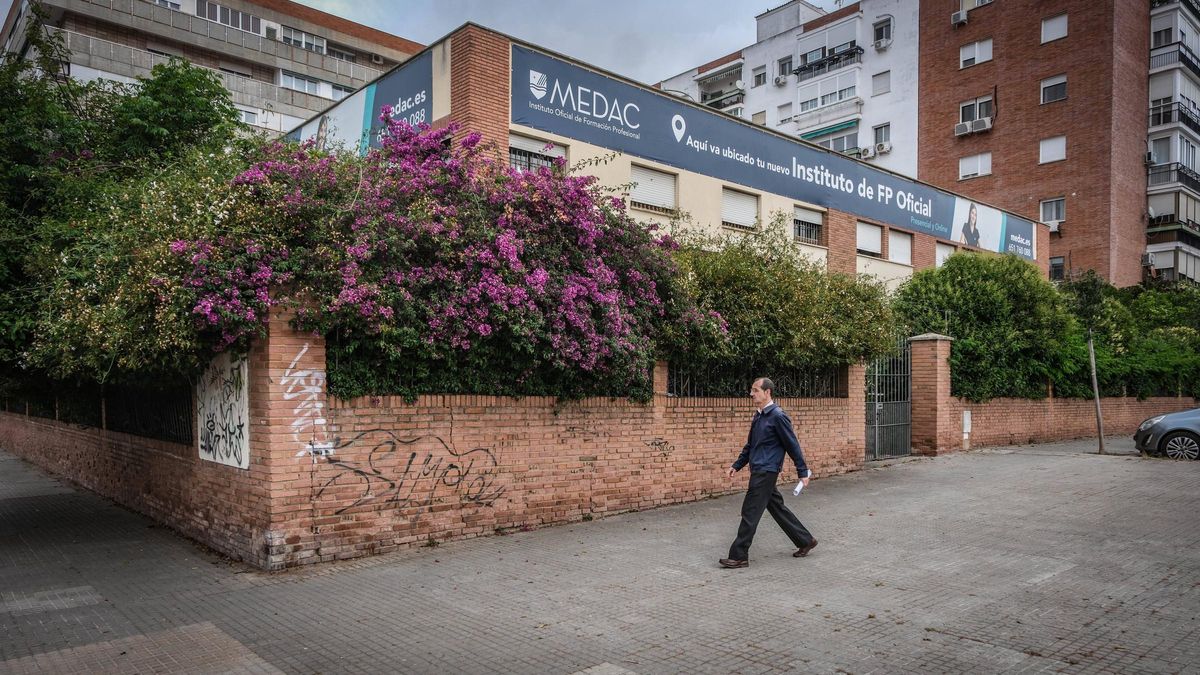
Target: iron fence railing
x: 1174, y: 172
x: 163, y: 413
x: 690, y: 381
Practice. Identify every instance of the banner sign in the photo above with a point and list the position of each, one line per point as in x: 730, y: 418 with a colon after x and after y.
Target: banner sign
x: 558, y: 97
x: 354, y: 121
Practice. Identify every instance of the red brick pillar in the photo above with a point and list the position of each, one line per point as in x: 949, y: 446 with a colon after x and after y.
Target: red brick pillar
x: 288, y: 406
x: 936, y: 428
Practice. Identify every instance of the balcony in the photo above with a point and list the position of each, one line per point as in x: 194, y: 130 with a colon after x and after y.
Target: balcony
x: 1171, y: 113
x: 1170, y: 223
x: 1164, y: 174
x: 1190, y: 4
x: 1170, y: 54
x: 724, y: 99
x: 829, y: 64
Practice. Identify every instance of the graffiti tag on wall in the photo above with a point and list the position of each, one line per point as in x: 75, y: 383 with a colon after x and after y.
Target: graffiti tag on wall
x: 223, y: 412
x: 415, y: 471
x: 305, y: 386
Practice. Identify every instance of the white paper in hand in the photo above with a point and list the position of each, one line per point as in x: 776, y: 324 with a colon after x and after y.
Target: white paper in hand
x: 799, y: 487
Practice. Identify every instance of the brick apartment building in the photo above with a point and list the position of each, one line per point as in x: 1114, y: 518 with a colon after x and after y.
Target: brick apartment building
x: 280, y: 60
x: 1056, y: 93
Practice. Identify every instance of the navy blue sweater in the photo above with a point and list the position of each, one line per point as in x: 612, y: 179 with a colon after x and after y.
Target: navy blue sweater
x: 771, y: 435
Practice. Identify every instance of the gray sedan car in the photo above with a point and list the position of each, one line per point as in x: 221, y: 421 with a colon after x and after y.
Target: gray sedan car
x: 1176, y: 435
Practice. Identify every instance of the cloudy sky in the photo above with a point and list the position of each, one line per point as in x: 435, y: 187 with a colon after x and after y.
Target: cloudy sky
x: 647, y: 40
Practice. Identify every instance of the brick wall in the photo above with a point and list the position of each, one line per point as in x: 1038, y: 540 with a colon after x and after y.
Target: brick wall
x: 450, y: 467
x: 1016, y: 421
x: 479, y: 97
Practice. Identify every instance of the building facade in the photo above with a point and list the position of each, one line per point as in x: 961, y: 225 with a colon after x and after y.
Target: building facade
x: 684, y: 159
x: 1173, y: 205
x: 281, y: 61
x: 1038, y: 107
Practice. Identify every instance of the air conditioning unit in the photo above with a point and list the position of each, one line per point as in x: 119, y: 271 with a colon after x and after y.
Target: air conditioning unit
x: 780, y: 80
x: 962, y: 128
x: 882, y: 148
x: 959, y: 18
x: 981, y: 3
x: 1150, y: 158
x: 376, y: 58
x: 981, y: 124
x: 867, y: 152
x: 1053, y: 225
x: 882, y: 44
x: 1147, y: 260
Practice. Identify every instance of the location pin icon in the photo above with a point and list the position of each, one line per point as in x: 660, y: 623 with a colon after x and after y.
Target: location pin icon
x: 678, y: 126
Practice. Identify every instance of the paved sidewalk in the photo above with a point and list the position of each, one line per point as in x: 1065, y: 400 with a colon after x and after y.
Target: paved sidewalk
x: 1027, y: 559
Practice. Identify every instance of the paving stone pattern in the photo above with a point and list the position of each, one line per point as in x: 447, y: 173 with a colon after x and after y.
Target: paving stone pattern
x: 1032, y: 559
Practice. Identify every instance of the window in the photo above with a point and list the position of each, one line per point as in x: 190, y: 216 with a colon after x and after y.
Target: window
x: 785, y: 66
x: 340, y: 92
x: 813, y: 56
x: 527, y: 154
x: 1054, y: 209
x: 1160, y: 37
x: 1160, y: 150
x: 1055, y: 28
x: 1057, y: 268
x: 883, y: 30
x: 229, y: 17
x: 303, y: 40
x: 784, y: 113
x: 759, y: 117
x: 807, y: 225
x: 975, y: 109
x: 942, y: 251
x: 1187, y: 153
x: 1052, y: 149
x: 248, y: 116
x: 760, y: 76
x: 1054, y: 89
x: 975, y: 165
x: 883, y: 134
x: 810, y: 104
x: 881, y: 83
x: 900, y: 247
x: 840, y: 143
x: 870, y: 240
x: 836, y: 89
x: 976, y: 52
x: 169, y: 4
x: 652, y: 190
x: 844, y: 47
x: 292, y: 80
x: 739, y: 209
x: 231, y: 71
x: 341, y: 54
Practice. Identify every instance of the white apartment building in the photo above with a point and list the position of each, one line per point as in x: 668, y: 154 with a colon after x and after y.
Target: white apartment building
x: 281, y: 61
x: 846, y: 80
x: 1173, y: 185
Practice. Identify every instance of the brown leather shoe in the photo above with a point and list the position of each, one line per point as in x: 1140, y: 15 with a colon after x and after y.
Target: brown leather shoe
x: 803, y: 550
x: 730, y: 563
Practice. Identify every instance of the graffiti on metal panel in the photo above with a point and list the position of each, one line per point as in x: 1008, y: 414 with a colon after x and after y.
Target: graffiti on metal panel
x: 308, y: 417
x: 222, y: 411
x: 415, y: 471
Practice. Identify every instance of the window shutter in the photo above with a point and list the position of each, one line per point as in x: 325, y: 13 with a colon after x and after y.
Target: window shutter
x: 652, y: 188
x: 900, y: 247
x: 870, y: 238
x: 536, y: 146
x: 738, y: 208
x: 808, y: 216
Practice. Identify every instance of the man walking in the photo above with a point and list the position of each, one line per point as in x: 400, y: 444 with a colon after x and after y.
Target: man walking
x: 771, y: 435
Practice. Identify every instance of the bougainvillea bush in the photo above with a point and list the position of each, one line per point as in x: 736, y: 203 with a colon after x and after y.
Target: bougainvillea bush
x: 427, y: 265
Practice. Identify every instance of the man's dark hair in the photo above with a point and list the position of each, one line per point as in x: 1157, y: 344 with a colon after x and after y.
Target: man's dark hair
x: 767, y: 385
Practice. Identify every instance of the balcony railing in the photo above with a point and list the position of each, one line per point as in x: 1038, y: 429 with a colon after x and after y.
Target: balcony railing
x: 829, y: 64
x: 1175, y: 52
x: 1162, y: 174
x: 1169, y: 113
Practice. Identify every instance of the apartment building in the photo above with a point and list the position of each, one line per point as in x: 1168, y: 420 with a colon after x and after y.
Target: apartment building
x: 727, y: 175
x: 1173, y: 175
x: 1038, y: 107
x: 845, y: 80
x: 281, y: 61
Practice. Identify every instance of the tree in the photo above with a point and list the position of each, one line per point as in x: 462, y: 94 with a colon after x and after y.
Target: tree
x: 1087, y: 301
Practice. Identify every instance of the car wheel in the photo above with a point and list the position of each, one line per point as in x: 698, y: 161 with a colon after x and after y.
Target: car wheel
x: 1181, y: 445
